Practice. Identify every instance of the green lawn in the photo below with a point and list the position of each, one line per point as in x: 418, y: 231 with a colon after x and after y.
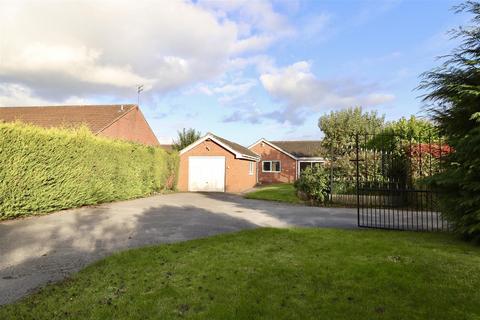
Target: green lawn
x: 284, y: 192
x: 274, y: 274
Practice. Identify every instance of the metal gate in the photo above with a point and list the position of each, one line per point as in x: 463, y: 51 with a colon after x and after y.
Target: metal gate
x: 391, y: 192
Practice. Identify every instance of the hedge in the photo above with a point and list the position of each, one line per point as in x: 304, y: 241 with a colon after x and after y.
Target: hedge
x: 43, y: 170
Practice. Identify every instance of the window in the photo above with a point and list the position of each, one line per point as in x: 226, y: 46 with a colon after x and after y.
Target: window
x: 271, y: 166
x: 266, y: 166
x: 276, y: 166
x: 251, y: 168
x: 306, y: 164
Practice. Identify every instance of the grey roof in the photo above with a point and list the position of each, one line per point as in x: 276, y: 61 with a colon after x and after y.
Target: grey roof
x: 235, y: 146
x: 301, y: 149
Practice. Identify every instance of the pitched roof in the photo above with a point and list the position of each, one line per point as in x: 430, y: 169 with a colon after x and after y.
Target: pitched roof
x: 301, y: 149
x: 95, y: 117
x: 235, y: 146
x: 238, y: 150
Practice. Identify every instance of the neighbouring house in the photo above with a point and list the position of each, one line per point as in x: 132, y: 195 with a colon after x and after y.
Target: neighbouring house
x: 282, y: 161
x: 216, y: 164
x: 124, y: 121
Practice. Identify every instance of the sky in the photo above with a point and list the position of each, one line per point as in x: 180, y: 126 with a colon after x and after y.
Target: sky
x: 243, y: 70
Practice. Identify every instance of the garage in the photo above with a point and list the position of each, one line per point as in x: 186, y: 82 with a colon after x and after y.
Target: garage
x: 206, y: 173
x: 215, y: 164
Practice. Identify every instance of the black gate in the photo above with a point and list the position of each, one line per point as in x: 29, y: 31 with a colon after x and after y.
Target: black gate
x: 391, y: 192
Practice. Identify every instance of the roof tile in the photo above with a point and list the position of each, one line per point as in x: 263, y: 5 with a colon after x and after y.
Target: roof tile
x: 235, y: 146
x: 95, y: 117
x: 299, y: 149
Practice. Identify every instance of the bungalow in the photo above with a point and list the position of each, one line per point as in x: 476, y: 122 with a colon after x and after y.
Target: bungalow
x: 124, y: 121
x: 216, y: 164
x: 282, y: 161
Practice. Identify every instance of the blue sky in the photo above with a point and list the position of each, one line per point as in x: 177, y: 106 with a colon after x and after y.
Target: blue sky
x: 241, y: 69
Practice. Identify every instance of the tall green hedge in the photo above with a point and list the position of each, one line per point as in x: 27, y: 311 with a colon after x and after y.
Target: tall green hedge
x: 43, y: 170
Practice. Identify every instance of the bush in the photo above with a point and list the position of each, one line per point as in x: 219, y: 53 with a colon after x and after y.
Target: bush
x: 43, y: 170
x: 314, y: 182
x: 453, y: 94
x: 460, y: 186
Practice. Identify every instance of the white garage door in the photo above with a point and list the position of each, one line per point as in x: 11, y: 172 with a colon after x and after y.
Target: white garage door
x: 206, y: 174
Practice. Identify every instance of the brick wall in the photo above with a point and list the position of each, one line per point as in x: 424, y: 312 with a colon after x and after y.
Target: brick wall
x: 288, y: 166
x: 237, y: 178
x: 132, y: 127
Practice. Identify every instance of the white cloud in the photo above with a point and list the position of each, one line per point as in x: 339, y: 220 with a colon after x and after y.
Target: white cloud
x: 228, y: 92
x: 301, y: 91
x: 259, y: 14
x: 78, y: 63
x: 260, y: 25
x: 262, y: 63
x: 254, y: 43
x: 90, y: 47
x: 231, y: 90
x: 11, y: 94
x: 15, y: 94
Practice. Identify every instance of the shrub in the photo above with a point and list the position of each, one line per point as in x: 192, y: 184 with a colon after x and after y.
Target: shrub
x: 460, y: 186
x: 185, y: 138
x: 314, y: 182
x: 43, y: 170
x: 453, y: 94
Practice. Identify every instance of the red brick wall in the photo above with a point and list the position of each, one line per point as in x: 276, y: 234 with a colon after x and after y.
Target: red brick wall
x: 288, y: 166
x: 132, y: 127
x: 237, y: 178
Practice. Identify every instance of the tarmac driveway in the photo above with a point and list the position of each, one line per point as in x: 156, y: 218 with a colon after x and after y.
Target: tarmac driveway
x: 38, y: 250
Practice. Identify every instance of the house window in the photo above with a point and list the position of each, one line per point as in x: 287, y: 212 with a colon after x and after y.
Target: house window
x: 306, y: 164
x: 271, y: 166
x: 251, y: 168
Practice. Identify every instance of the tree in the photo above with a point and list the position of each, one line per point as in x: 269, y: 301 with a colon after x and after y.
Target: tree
x: 420, y: 130
x: 340, y: 127
x: 453, y: 101
x: 397, y: 141
x: 397, y: 133
x: 185, y: 138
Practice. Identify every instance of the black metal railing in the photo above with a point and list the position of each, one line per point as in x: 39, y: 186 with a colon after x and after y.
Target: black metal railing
x: 390, y: 182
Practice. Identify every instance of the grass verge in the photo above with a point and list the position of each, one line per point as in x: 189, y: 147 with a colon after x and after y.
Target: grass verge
x: 273, y: 274
x: 283, y: 192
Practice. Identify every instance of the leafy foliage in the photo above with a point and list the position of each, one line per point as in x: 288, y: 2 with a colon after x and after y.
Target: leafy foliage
x: 406, y: 143
x: 403, y: 131
x: 185, y: 138
x: 314, y: 182
x: 43, y: 170
x: 413, y: 128
x: 340, y: 127
x: 454, y: 103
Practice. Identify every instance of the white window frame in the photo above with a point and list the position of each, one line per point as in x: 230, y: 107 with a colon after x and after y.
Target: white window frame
x: 251, y: 168
x: 312, y: 162
x: 271, y: 166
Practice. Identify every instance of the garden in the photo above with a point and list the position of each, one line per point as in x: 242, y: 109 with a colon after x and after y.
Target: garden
x: 293, y: 273
x: 273, y: 274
